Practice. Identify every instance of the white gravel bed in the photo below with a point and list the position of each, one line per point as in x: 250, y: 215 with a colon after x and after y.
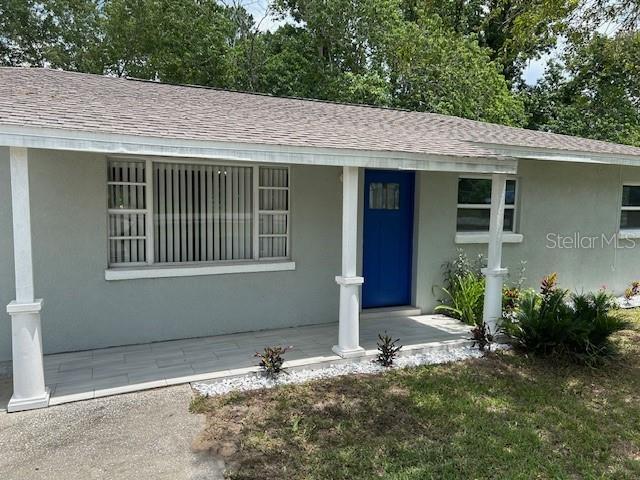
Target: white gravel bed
x: 633, y: 302
x: 257, y: 381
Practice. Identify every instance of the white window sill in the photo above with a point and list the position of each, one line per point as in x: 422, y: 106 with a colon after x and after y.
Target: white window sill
x: 625, y: 234
x: 194, y: 271
x: 470, y: 237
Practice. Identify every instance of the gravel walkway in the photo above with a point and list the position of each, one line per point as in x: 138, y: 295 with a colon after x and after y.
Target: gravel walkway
x: 257, y: 381
x: 135, y: 436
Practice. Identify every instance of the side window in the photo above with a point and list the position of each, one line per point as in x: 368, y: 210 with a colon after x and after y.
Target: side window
x: 474, y: 205
x: 630, y: 212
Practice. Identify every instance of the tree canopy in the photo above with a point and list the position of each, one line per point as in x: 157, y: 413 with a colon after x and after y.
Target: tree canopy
x: 513, y: 31
x: 594, y: 92
x: 457, y: 57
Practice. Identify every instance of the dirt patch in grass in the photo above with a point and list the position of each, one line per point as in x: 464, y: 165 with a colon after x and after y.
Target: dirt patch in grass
x: 506, y: 416
x: 271, y: 432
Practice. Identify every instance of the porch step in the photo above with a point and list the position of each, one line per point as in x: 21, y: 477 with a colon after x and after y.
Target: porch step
x: 390, y: 312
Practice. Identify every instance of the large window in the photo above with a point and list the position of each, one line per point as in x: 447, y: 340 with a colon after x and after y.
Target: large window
x: 474, y: 205
x: 630, y: 213
x: 184, y: 213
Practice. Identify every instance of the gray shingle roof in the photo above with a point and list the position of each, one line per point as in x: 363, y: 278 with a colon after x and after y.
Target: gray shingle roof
x: 93, y: 103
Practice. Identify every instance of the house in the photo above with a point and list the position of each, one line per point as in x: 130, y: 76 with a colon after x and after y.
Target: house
x: 135, y: 211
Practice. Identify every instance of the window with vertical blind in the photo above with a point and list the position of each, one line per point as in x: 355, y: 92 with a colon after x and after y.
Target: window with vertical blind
x: 163, y: 212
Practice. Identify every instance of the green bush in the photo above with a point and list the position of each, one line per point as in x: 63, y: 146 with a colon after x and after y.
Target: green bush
x: 510, y: 301
x: 555, y: 323
x: 482, y: 336
x: 460, y: 266
x: 388, y: 349
x: 272, y: 360
x: 463, y: 291
x: 465, y: 298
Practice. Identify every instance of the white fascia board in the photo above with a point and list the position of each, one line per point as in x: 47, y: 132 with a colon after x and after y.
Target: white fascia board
x: 557, y: 155
x: 119, y: 144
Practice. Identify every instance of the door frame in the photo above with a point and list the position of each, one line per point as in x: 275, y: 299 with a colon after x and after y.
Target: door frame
x: 414, y: 233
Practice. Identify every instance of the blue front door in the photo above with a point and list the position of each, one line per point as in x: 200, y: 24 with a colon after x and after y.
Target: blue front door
x: 388, y: 238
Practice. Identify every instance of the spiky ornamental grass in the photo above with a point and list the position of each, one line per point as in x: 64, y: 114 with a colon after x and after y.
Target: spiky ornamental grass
x: 387, y: 349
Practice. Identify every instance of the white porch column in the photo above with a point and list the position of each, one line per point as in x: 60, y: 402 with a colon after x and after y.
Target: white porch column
x: 494, y: 273
x: 349, y: 328
x: 29, y: 390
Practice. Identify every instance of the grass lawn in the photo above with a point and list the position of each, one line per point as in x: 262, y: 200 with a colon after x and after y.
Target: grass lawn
x: 505, y: 416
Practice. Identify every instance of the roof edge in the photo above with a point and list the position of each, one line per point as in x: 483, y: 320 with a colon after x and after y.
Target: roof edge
x: 122, y: 144
x: 560, y: 155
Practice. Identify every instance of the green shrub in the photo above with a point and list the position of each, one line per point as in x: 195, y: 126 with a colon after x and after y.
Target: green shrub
x: 461, y: 266
x: 482, y: 336
x: 465, y: 298
x: 510, y: 301
x: 463, y: 291
x: 387, y: 349
x: 271, y: 360
x: 555, y: 323
x: 463, y: 288
x: 598, y: 310
x: 540, y: 324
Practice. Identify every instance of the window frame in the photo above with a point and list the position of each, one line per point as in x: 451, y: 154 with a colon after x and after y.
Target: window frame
x: 487, y: 206
x: 147, y: 212
x: 385, y: 197
x: 628, y: 208
x: 224, y: 266
x: 257, y: 211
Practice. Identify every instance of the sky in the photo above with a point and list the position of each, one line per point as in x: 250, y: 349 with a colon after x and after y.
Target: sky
x: 535, y: 70
x: 258, y: 8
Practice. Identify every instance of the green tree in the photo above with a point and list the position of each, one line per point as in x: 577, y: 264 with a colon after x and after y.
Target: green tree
x: 361, y: 51
x: 623, y: 14
x: 57, y: 33
x: 514, y: 31
x: 180, y: 42
x: 22, y: 35
x: 594, y: 93
x: 184, y: 41
x: 439, y: 71
x: 348, y: 41
x: 369, y: 52
x: 279, y: 63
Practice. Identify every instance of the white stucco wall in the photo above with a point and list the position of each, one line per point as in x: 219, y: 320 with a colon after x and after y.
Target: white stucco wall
x: 82, y: 310
x: 554, y: 198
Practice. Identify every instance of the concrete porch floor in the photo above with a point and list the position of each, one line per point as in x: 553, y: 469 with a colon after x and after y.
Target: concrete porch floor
x: 110, y: 371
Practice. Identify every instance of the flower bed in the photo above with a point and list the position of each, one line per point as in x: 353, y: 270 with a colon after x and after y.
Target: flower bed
x: 255, y: 381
